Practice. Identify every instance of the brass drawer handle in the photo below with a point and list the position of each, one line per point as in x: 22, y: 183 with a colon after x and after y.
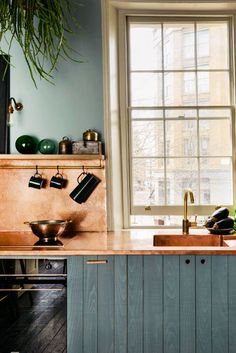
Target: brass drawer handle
x: 96, y: 262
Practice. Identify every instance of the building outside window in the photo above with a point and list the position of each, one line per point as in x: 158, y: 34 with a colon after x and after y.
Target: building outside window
x: 179, y: 111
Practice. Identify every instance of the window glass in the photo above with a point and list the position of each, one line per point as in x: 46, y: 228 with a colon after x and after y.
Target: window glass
x: 202, y: 42
x: 215, y: 113
x: 146, y: 114
x: 146, y: 176
x: 188, y: 45
x: 160, y: 220
x: 177, y: 39
x: 213, y: 88
x: 212, y: 133
x: 182, y: 137
x: 180, y: 113
x: 203, y: 83
x: 218, y: 171
x: 148, y: 43
x: 213, y: 45
x: 146, y: 89
x: 147, y: 138
x: 183, y: 174
x: 180, y: 88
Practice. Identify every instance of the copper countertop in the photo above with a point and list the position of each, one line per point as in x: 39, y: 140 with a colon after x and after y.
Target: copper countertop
x: 130, y: 242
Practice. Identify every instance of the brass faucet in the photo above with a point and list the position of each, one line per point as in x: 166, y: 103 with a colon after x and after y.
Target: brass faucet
x: 186, y: 223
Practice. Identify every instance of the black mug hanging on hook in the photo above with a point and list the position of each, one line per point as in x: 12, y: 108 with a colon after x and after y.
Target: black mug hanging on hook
x: 87, y: 183
x: 57, y: 181
x: 36, y: 181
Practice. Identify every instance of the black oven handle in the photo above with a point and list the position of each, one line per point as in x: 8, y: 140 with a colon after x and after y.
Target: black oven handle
x: 33, y: 275
x: 21, y: 279
x: 30, y: 290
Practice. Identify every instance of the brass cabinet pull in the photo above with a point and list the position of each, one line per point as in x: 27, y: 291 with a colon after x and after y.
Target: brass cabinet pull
x: 96, y: 262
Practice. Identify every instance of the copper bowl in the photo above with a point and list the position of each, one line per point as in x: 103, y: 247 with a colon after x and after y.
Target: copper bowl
x: 48, y: 230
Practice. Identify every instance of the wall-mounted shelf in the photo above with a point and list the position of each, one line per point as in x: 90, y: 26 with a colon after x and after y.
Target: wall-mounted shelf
x: 53, y: 157
x: 51, y: 161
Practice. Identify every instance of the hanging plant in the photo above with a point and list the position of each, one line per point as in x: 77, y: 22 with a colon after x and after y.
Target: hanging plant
x: 41, y: 28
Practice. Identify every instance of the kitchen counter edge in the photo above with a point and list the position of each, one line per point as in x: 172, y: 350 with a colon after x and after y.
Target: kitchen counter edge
x: 122, y: 242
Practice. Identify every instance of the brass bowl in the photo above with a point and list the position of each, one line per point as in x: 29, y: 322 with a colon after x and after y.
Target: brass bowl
x: 48, y: 230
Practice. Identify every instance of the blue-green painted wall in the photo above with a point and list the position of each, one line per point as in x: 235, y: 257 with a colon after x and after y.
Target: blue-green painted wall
x: 75, y: 103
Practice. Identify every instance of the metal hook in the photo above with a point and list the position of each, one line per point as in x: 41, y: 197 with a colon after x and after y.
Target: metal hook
x: 83, y: 173
x: 84, y: 170
x: 58, y: 173
x: 37, y: 172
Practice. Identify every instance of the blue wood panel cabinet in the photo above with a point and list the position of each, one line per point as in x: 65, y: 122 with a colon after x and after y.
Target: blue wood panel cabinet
x: 152, y: 304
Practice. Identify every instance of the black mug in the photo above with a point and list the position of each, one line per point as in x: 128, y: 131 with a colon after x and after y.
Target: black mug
x: 36, y: 181
x: 85, y: 187
x: 57, y: 181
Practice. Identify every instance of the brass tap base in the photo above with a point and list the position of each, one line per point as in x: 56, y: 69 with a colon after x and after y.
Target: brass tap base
x: 185, y: 226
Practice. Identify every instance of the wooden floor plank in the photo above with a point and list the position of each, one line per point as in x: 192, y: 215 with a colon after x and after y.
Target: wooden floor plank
x: 57, y: 345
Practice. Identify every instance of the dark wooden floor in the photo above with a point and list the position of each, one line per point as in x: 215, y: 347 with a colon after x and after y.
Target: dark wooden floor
x: 40, y: 327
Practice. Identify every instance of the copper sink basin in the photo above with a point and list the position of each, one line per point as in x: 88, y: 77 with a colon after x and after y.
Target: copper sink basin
x: 188, y: 240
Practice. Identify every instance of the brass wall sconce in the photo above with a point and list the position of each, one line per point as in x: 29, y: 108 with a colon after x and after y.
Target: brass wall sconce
x: 13, y: 105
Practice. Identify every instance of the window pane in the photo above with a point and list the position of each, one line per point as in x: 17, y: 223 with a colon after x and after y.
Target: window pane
x: 181, y: 138
x: 202, y: 42
x: 147, y: 181
x: 188, y: 48
x: 156, y: 221
x: 146, y: 114
x: 180, y: 88
x: 215, y: 88
x: 146, y: 89
x: 180, y: 113
x: 213, y: 45
x: 203, y: 83
x: 147, y: 138
x: 145, y: 47
x: 215, y: 113
x: 216, y: 180
x: 215, y: 137
x: 182, y: 174
x: 178, y: 45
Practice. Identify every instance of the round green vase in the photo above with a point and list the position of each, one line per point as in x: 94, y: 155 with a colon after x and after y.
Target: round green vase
x: 26, y: 144
x: 47, y: 146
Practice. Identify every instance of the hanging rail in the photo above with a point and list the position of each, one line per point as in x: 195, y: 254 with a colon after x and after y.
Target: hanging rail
x: 100, y: 166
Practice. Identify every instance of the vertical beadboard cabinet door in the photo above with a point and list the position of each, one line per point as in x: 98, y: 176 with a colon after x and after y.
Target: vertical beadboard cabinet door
x: 98, y: 304
x: 152, y: 304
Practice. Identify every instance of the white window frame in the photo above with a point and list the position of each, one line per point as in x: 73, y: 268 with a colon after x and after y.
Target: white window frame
x: 116, y: 132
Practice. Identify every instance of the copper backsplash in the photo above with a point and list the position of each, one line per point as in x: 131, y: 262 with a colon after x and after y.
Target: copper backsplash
x: 19, y: 203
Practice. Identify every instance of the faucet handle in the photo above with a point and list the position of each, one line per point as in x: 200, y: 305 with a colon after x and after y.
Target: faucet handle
x: 194, y: 223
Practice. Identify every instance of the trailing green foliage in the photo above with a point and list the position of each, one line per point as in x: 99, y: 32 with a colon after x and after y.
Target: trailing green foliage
x: 41, y: 28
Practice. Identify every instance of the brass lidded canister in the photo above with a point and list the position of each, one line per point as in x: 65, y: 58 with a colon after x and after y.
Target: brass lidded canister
x: 65, y: 146
x: 90, y: 135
